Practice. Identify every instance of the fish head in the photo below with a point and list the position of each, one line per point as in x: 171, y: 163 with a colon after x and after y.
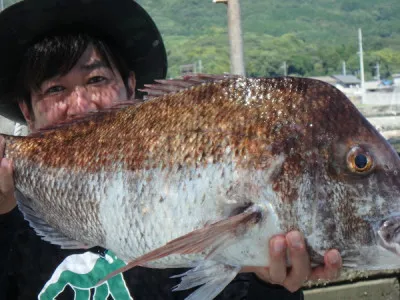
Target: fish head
x: 355, y: 175
x: 367, y: 169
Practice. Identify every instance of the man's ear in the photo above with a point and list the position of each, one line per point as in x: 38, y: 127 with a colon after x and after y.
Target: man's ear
x: 27, y: 114
x: 132, y: 85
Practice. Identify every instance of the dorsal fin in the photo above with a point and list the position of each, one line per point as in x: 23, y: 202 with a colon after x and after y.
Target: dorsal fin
x: 87, y: 116
x: 160, y: 88
x: 167, y: 86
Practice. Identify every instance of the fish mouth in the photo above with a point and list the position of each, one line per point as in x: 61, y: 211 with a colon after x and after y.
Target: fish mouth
x: 389, y: 234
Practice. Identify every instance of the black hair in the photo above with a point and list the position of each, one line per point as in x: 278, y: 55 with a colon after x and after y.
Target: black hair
x: 56, y: 54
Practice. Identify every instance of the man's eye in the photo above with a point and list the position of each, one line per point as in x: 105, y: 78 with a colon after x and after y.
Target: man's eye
x: 54, y: 89
x: 96, y: 79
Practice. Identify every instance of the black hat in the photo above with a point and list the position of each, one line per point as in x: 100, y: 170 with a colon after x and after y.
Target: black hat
x: 124, y: 22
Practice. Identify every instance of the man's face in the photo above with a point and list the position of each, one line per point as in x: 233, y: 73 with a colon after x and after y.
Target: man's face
x: 89, y: 85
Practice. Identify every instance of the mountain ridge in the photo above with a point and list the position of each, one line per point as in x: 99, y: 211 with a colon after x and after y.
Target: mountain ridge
x: 300, y: 32
x: 312, y: 37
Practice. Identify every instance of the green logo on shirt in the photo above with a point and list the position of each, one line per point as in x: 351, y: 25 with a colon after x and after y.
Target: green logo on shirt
x: 81, y: 272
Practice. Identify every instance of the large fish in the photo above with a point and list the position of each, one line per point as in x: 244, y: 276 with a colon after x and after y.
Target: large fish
x: 207, y: 171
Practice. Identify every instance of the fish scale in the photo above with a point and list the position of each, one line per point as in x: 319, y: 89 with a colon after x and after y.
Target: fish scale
x: 204, y: 176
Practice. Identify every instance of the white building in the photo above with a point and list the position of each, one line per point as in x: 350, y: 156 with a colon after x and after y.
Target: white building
x: 396, y: 79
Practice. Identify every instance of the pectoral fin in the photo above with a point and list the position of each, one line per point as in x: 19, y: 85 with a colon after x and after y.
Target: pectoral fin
x: 213, y: 277
x: 209, y: 237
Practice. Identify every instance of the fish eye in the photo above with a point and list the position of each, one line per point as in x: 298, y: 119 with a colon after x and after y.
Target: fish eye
x: 359, y: 160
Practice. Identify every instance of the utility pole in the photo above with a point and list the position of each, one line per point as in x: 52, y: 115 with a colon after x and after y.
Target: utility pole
x: 284, y: 66
x: 200, y: 66
x: 344, y: 68
x: 235, y: 36
x: 361, y: 59
x: 1, y: 5
x: 378, y: 73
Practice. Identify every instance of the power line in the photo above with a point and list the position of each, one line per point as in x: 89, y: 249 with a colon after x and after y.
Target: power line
x: 361, y: 59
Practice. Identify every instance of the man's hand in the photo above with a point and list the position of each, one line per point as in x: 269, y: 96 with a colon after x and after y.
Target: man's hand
x: 293, y: 279
x: 7, y: 198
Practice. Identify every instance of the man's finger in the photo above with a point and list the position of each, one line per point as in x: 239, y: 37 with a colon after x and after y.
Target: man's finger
x: 277, y: 267
x: 2, y: 146
x: 332, y: 259
x: 331, y: 269
x: 6, y: 179
x: 301, y: 268
x: 7, y: 199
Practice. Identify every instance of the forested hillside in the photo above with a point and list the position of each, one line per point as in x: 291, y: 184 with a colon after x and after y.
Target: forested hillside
x: 312, y: 36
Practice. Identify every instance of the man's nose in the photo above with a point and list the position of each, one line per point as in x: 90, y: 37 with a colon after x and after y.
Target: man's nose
x: 79, y: 102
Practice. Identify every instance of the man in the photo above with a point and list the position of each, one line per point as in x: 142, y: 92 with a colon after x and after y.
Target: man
x: 67, y: 57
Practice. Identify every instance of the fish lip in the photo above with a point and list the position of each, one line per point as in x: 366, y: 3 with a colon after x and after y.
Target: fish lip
x: 388, y: 233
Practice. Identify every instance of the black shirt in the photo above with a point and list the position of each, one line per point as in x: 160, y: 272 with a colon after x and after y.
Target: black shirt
x: 27, y: 263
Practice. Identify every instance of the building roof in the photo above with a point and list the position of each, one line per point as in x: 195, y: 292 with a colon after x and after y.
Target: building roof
x: 328, y: 79
x: 347, y: 79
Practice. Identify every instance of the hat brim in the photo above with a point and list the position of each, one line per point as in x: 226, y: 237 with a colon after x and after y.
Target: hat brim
x: 124, y: 22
